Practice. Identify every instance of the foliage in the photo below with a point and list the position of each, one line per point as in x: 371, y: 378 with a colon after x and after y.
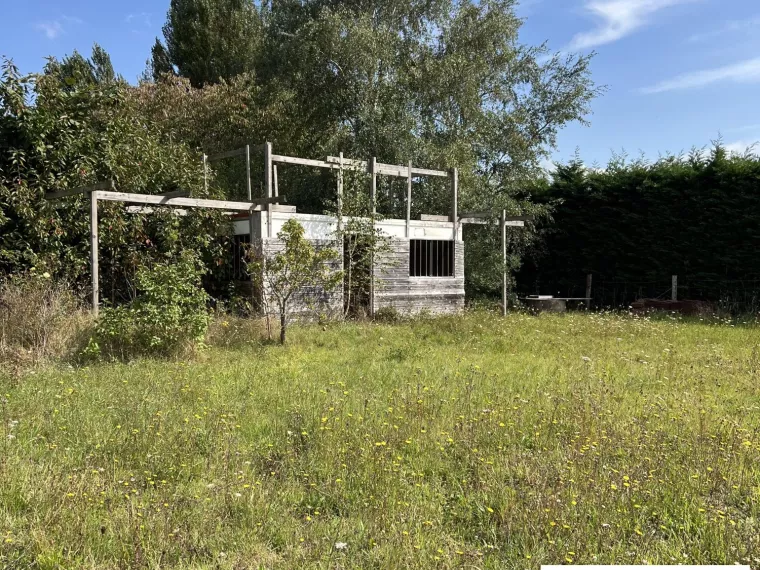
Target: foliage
x: 208, y: 40
x: 168, y: 315
x: 298, y: 276
x: 634, y: 224
x: 40, y: 320
x: 75, y: 70
x: 470, y: 441
x: 56, y: 135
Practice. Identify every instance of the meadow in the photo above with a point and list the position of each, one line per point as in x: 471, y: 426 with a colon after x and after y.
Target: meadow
x: 467, y: 442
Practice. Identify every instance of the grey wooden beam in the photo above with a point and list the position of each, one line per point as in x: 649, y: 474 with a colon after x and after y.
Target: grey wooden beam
x: 188, y: 202
x: 94, y: 262
x: 409, y: 200
x: 228, y: 154
x: 302, y: 161
x: 106, y: 185
x: 268, y: 169
x: 389, y: 169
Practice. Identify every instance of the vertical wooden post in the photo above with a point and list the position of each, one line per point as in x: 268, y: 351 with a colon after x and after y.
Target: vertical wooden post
x: 454, y: 201
x: 674, y: 288
x: 503, y: 224
x: 248, y: 172
x: 268, y: 168
x: 274, y: 180
x: 205, y: 172
x: 373, y: 202
x: 340, y: 192
x: 589, y: 280
x: 94, y: 253
x: 373, y: 185
x: 409, y: 200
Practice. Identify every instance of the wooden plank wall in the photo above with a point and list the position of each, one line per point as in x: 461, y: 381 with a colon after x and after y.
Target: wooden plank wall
x: 409, y: 295
x: 311, y: 302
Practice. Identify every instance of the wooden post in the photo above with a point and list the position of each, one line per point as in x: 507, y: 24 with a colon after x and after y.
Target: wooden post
x: 409, y: 201
x: 674, y: 288
x: 589, y: 279
x: 248, y: 171
x: 274, y: 178
x: 503, y: 224
x: 340, y: 192
x: 454, y: 201
x: 94, y: 253
x: 268, y: 168
x: 205, y: 172
x: 373, y: 185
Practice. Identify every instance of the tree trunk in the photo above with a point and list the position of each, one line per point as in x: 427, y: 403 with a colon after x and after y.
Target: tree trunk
x: 283, y: 326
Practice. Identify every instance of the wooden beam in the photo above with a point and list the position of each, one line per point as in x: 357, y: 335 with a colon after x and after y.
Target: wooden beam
x: 432, y: 218
x: 388, y: 169
x: 504, y: 262
x: 106, y: 185
x: 94, y: 264
x: 275, y: 182
x: 455, y: 201
x: 248, y: 172
x: 268, y: 169
x: 302, y: 161
x: 409, y: 200
x: 373, y: 185
x: 228, y: 154
x: 339, y: 192
x: 487, y: 222
x: 188, y: 202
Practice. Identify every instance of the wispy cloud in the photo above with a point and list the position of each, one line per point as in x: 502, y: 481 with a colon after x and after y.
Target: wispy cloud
x: 618, y: 19
x: 142, y: 18
x: 747, y: 71
x: 51, y: 29
x: 54, y: 28
x: 730, y: 27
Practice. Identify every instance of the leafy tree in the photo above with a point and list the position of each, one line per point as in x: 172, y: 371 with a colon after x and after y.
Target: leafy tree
x: 298, y: 275
x: 56, y: 136
x: 75, y: 69
x: 208, y: 40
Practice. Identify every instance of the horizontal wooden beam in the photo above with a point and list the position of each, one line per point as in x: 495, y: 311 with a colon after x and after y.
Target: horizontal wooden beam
x: 431, y: 218
x: 302, y: 161
x: 107, y: 185
x: 165, y: 201
x: 228, y: 154
x: 486, y: 222
x: 389, y: 169
x: 495, y: 215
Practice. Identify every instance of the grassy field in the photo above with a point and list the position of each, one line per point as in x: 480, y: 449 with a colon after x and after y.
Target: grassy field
x: 475, y: 442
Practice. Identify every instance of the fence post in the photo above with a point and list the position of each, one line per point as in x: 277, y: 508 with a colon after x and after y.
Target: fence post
x: 589, y: 279
x: 503, y: 224
x: 674, y: 288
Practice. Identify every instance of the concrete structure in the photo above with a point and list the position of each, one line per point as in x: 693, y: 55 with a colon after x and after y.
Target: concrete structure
x: 422, y: 269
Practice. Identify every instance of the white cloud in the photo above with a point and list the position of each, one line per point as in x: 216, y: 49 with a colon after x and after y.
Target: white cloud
x: 741, y: 147
x: 619, y: 18
x: 747, y: 71
x: 54, y: 28
x: 51, y: 29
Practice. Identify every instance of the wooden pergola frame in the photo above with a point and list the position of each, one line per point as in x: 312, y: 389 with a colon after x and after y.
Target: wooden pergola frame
x: 105, y: 191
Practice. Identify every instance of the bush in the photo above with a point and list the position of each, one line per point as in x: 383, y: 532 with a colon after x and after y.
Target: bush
x: 168, y: 316
x: 39, y: 320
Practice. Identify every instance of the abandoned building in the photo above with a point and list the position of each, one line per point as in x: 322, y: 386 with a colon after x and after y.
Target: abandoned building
x: 420, y: 270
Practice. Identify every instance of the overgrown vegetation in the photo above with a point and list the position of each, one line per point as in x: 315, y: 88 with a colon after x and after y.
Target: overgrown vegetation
x: 455, y: 442
x: 40, y: 320
x: 168, y: 316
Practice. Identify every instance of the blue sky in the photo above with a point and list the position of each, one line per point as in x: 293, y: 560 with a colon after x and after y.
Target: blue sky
x: 679, y: 73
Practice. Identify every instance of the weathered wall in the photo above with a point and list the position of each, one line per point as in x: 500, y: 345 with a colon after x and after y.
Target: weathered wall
x: 409, y: 295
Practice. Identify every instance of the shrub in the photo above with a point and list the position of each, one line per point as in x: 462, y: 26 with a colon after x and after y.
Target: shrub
x: 39, y: 319
x: 168, y: 316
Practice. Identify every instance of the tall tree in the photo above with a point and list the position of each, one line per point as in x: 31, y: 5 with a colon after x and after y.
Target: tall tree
x: 208, y: 40
x: 76, y: 70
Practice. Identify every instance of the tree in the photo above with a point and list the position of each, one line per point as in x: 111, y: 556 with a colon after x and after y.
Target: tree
x: 298, y: 275
x: 75, y: 69
x: 208, y: 40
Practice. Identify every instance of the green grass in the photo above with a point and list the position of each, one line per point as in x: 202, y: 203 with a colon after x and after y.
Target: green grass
x: 474, y: 442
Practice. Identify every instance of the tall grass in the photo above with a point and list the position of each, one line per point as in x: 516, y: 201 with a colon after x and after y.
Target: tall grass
x: 475, y: 442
